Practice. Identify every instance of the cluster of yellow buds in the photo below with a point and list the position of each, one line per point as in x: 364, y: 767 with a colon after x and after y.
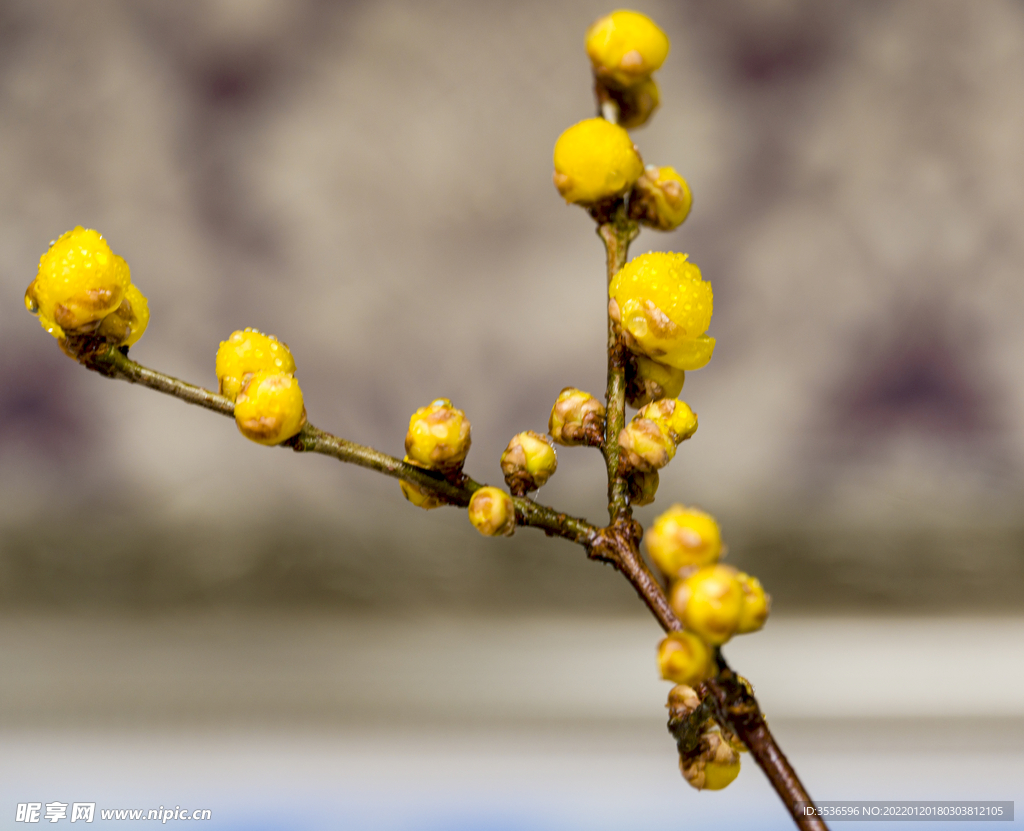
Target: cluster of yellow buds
x: 257, y: 372
x: 84, y: 288
x: 713, y: 601
x: 625, y: 48
x: 714, y: 762
x: 595, y: 160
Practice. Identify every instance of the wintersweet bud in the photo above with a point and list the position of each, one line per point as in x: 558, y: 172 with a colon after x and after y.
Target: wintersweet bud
x: 660, y: 199
x: 625, y: 47
x: 492, y: 512
x: 439, y: 436
x: 757, y: 604
x: 528, y: 462
x: 416, y: 495
x: 715, y: 765
x: 635, y: 104
x: 80, y: 281
x: 577, y: 418
x: 664, y: 309
x: 641, y: 487
x: 683, y: 539
x: 649, y: 441
x: 269, y: 409
x: 683, y: 701
x: 684, y: 658
x: 127, y: 323
x: 247, y: 352
x: 710, y: 603
x: 647, y: 381
x: 595, y: 160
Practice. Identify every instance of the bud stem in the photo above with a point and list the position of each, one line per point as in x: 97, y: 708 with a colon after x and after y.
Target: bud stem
x: 617, y: 233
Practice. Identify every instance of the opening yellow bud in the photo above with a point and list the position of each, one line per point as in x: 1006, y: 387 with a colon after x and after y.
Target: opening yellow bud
x: 528, y: 462
x: 660, y: 199
x: 664, y: 309
x: 577, y: 418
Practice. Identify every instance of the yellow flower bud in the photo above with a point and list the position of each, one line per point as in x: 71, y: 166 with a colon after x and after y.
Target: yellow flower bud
x: 757, y: 604
x: 683, y: 539
x: 80, y: 281
x: 577, y: 418
x: 492, y: 512
x: 438, y: 436
x: 247, y: 352
x: 660, y: 199
x: 528, y: 462
x: 648, y: 381
x: 642, y: 486
x: 418, y: 496
x: 715, y: 765
x: 684, y: 658
x: 625, y: 47
x: 595, y: 160
x: 644, y: 445
x: 675, y: 416
x: 635, y: 104
x: 709, y: 602
x: 664, y: 309
x: 649, y: 441
x: 269, y: 409
x: 127, y: 323
x: 682, y: 702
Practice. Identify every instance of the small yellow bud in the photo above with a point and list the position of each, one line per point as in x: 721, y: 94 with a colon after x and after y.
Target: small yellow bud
x: 664, y: 309
x: 683, y: 539
x: 709, y: 602
x: 682, y: 702
x: 269, y: 409
x: 247, y: 352
x: 577, y: 418
x: 642, y: 486
x: 635, y: 104
x: 626, y: 47
x: 675, y: 416
x: 644, y: 445
x: 595, y: 160
x: 648, y: 381
x: 492, y: 512
x: 649, y: 441
x: 127, y: 323
x: 528, y: 462
x: 80, y: 281
x: 684, y: 658
x: 418, y: 496
x: 660, y: 199
x: 757, y: 604
x: 715, y: 765
x: 439, y: 436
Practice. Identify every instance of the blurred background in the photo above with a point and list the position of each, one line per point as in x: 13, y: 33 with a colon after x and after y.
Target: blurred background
x: 187, y: 618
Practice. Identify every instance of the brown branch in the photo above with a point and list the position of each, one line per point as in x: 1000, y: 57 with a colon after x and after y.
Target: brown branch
x: 617, y: 231
x: 458, y: 490
x: 727, y: 695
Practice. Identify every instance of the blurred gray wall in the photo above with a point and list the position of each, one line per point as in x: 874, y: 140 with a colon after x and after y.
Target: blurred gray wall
x: 370, y: 181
